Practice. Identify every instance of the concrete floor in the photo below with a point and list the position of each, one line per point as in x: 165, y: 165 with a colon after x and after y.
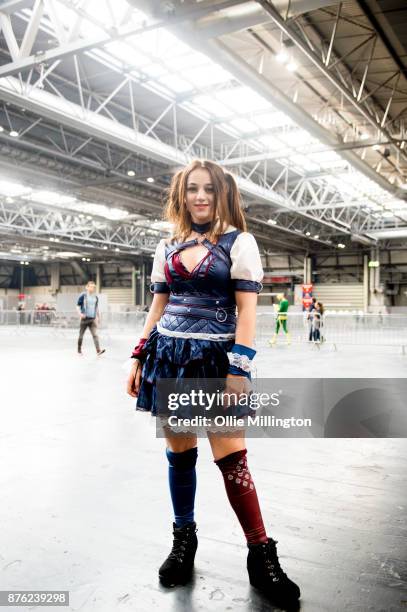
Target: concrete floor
x: 85, y: 505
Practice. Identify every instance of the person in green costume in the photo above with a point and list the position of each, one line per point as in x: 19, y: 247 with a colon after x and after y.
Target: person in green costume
x: 282, y: 316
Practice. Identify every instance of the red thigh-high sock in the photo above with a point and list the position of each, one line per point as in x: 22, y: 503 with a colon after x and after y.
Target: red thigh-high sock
x: 242, y: 495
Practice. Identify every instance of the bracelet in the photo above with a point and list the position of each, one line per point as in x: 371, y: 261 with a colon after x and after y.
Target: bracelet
x: 139, y: 351
x: 240, y: 359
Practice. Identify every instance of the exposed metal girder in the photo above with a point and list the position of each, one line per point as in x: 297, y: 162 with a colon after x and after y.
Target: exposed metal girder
x: 24, y: 218
x: 378, y: 28
x: 25, y: 60
x: 247, y: 74
x: 46, y: 104
x: 351, y: 97
x: 66, y: 113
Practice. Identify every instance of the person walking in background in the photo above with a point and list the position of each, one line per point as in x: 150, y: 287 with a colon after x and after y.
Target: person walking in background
x: 282, y: 315
x: 309, y: 318
x: 88, y: 310
x: 317, y: 322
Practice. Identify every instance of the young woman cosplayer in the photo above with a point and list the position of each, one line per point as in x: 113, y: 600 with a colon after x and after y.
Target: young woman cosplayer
x: 209, y: 267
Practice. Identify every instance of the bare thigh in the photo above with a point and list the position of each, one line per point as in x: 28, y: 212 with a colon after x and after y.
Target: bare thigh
x: 225, y: 445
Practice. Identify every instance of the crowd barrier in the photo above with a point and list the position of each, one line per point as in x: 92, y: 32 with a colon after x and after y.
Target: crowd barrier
x: 336, y: 328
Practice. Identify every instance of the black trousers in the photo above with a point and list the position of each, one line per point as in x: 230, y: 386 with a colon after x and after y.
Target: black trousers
x: 88, y: 324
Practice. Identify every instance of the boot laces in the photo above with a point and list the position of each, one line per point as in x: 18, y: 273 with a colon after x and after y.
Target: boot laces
x: 272, y: 562
x: 179, y: 546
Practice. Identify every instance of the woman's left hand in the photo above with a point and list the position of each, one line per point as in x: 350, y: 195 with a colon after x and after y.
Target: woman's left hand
x: 235, y: 386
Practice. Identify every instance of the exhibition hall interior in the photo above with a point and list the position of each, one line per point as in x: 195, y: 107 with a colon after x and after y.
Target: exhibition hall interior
x: 304, y: 104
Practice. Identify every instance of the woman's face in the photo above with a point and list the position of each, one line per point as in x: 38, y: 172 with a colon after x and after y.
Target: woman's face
x: 200, y: 196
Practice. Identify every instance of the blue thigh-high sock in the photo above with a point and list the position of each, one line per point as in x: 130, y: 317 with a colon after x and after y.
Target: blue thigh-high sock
x: 182, y: 480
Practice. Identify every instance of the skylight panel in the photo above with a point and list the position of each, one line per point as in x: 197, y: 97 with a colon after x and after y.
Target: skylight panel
x: 328, y: 160
x: 303, y: 162
x: 186, y: 61
x: 205, y: 75
x: 161, y: 44
x: 297, y: 138
x: 244, y: 125
x: 127, y: 54
x: 242, y: 99
x: 212, y: 105
x: 153, y: 70
x: 106, y: 12
x: 270, y: 142
x: 175, y: 83
x: 273, y: 119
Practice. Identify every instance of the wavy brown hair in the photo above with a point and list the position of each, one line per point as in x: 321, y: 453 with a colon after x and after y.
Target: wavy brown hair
x: 228, y: 207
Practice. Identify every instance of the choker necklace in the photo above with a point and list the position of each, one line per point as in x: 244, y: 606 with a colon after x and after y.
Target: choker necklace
x: 201, y: 228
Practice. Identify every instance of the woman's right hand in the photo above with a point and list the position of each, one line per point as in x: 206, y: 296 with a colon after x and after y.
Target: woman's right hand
x: 134, y: 379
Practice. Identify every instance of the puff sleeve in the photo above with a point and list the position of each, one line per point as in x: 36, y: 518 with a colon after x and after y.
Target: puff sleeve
x: 247, y: 270
x: 158, y: 280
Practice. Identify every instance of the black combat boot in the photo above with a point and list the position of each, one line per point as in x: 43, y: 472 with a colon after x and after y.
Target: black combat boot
x: 178, y: 566
x: 266, y: 574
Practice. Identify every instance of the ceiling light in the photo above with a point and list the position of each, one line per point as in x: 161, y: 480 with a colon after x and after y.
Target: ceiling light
x: 14, y: 134
x: 387, y: 214
x: 341, y: 245
x: 22, y: 263
x: 105, y: 248
x: 316, y: 236
x: 117, y: 249
x: 282, y: 56
x: 292, y: 66
x: 272, y: 222
x: 1, y: 128
x: 9, y: 200
x: 376, y: 147
x: 364, y: 136
x: 51, y: 239
x: 150, y: 179
x: 131, y: 173
x: 83, y: 258
x: 308, y: 233
x: 26, y: 263
x: 88, y: 217
x: 56, y: 239
x: 88, y: 259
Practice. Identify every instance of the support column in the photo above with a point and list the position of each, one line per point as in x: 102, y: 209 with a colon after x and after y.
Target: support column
x: 365, y: 283
x: 376, y: 295
x: 98, y: 278
x: 307, y: 271
x: 133, y: 285
x: 143, y: 285
x: 55, y: 277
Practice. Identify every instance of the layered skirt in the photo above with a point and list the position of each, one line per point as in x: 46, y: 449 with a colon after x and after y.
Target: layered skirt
x: 182, y: 358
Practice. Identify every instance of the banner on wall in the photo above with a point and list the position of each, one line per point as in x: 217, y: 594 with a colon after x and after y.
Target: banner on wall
x: 306, y: 296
